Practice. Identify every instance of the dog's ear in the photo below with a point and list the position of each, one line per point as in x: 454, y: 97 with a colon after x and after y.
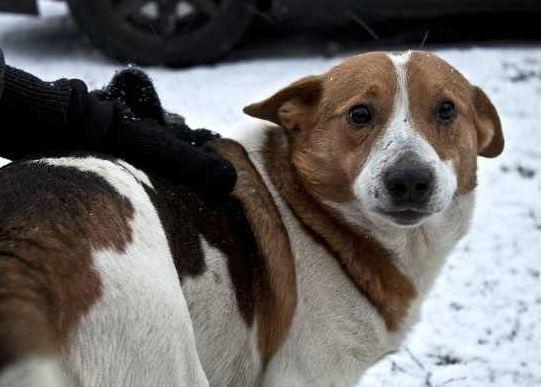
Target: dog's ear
x: 490, y: 140
x: 293, y: 108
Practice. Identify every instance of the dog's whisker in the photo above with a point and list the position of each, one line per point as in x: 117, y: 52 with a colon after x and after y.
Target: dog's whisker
x: 425, y: 38
x: 360, y: 21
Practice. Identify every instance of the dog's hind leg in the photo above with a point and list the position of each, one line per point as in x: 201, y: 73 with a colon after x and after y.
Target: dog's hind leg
x: 139, y: 333
x: 28, y: 341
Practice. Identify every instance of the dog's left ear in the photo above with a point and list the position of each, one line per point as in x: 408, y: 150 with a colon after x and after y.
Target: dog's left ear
x: 293, y: 108
x: 490, y: 140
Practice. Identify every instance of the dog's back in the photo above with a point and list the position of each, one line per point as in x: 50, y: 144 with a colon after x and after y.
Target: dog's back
x: 84, y: 256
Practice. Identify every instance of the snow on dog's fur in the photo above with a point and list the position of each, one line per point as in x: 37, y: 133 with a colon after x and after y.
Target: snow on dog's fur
x: 313, y: 270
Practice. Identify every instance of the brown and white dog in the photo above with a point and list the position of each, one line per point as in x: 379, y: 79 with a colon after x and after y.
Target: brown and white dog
x: 316, y: 267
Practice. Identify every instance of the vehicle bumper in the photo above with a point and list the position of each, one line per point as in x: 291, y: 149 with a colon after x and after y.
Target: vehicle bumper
x: 29, y: 7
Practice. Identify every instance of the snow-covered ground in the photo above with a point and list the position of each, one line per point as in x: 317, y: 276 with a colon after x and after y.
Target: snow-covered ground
x: 481, y: 323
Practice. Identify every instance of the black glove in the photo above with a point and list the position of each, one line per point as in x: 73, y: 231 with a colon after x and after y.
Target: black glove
x: 153, y: 147
x: 134, y: 89
x: 150, y: 138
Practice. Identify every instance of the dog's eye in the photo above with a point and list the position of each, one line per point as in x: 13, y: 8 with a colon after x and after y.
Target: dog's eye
x: 360, y: 115
x: 446, y: 111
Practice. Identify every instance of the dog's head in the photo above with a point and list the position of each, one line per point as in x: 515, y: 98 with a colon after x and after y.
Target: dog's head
x: 396, y: 135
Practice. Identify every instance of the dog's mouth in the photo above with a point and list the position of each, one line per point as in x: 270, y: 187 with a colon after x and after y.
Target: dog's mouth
x: 406, y: 217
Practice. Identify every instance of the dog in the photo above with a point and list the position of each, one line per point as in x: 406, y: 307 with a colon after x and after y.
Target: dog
x: 347, y: 203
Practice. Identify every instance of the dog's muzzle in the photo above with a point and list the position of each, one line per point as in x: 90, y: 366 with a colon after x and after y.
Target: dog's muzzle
x: 409, y: 187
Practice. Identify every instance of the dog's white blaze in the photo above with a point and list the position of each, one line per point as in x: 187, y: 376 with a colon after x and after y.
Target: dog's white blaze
x: 139, y: 333
x: 34, y: 372
x: 401, y: 138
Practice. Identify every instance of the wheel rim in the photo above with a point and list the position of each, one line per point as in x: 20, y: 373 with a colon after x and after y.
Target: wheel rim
x: 166, y: 18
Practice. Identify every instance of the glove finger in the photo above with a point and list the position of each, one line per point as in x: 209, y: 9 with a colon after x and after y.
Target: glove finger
x: 134, y: 88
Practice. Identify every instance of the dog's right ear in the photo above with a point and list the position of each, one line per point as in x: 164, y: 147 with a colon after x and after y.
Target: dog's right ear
x: 293, y: 108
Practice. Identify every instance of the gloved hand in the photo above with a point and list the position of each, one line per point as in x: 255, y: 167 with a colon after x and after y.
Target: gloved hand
x: 150, y: 138
x: 155, y: 148
x: 134, y: 89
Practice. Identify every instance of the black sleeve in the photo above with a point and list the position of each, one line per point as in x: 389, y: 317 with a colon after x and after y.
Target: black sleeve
x: 45, y: 116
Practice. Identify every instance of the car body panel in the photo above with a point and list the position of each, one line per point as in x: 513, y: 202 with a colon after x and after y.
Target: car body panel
x: 29, y: 7
x: 340, y: 11
x: 337, y: 12
x: 369, y: 19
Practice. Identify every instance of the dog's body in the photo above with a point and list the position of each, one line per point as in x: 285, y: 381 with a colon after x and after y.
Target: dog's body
x: 296, y: 280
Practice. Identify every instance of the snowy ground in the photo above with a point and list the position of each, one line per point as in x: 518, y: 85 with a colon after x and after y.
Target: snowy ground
x: 480, y: 324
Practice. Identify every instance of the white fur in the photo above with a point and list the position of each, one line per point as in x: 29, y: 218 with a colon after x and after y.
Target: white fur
x: 34, y: 372
x: 139, y: 175
x: 227, y: 346
x: 139, y: 333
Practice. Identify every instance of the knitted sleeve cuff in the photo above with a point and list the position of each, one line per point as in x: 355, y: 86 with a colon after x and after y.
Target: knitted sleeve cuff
x: 46, y: 102
x: 90, y: 118
x: 73, y: 116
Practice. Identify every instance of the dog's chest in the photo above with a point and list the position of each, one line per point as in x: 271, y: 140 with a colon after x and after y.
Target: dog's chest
x: 421, y: 252
x: 334, y: 320
x: 336, y: 333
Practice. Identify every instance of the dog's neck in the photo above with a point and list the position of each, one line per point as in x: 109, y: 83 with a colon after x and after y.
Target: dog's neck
x: 367, y: 263
x: 391, y: 267
x: 420, y: 251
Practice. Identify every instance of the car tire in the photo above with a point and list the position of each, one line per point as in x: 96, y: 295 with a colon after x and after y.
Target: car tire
x: 161, y: 41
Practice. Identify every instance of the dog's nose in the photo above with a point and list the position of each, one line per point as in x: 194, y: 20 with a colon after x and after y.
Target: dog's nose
x: 410, y: 184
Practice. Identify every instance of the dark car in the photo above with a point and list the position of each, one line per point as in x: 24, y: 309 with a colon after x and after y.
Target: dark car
x: 187, y: 32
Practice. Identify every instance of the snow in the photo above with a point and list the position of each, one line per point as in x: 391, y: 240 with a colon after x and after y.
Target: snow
x: 480, y: 323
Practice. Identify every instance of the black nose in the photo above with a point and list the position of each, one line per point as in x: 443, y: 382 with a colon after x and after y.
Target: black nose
x: 410, y: 184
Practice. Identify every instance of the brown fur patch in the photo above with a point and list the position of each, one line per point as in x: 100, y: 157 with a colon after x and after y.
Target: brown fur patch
x: 476, y: 129
x: 51, y: 219
x: 276, y: 297
x: 367, y: 263
x: 328, y: 151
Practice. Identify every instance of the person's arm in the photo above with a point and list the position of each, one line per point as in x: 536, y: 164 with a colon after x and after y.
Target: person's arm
x: 38, y: 117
